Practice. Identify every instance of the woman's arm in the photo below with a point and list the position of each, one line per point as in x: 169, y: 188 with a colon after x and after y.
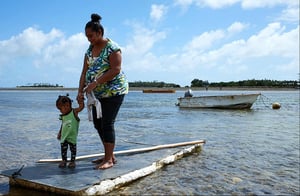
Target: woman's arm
x: 80, y: 96
x: 80, y: 108
x: 115, y: 61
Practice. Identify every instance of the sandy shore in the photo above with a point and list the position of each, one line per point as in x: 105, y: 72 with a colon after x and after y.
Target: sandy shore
x: 154, y: 88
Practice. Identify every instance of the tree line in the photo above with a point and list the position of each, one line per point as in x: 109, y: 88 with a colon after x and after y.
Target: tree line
x: 206, y: 84
x: 40, y: 85
x: 247, y: 83
x: 153, y: 84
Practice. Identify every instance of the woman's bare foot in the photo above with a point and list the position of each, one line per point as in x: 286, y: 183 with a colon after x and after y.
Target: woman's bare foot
x: 105, y: 165
x: 62, y: 164
x: 72, y: 165
x: 100, y: 160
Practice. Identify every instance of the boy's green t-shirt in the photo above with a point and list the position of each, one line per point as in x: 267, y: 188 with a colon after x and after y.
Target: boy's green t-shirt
x: 69, y: 129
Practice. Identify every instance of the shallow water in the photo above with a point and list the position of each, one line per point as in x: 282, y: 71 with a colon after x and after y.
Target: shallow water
x: 250, y: 152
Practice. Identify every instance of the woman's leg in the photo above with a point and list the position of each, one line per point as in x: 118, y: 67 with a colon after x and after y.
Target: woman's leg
x: 110, y: 108
x: 98, y: 126
x: 97, y: 123
x: 108, y: 160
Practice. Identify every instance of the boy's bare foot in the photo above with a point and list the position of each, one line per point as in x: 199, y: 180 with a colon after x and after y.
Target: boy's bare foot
x: 72, y: 164
x: 62, y: 164
x: 100, y: 160
x: 105, y: 165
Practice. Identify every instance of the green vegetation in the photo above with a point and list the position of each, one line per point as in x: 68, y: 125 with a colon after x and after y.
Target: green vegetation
x: 153, y: 84
x: 206, y: 84
x: 248, y: 83
x: 197, y: 83
x: 41, y: 85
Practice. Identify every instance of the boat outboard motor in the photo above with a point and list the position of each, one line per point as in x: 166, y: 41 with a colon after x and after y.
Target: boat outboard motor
x: 188, y: 93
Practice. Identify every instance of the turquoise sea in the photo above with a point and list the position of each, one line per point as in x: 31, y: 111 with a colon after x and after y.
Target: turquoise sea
x: 247, y: 152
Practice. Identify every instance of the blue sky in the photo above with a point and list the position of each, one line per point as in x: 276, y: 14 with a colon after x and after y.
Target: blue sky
x: 173, y: 41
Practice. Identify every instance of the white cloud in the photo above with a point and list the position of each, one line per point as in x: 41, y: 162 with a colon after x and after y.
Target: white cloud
x: 273, y: 40
x: 204, y: 41
x: 66, y: 54
x: 246, y: 4
x: 215, y: 52
x: 215, y: 4
x: 183, y: 3
x: 236, y: 27
x: 268, y: 3
x: 221, y: 53
x: 28, y: 43
x: 208, y: 41
x: 44, y: 49
x: 290, y: 15
x: 157, y: 12
x: 270, y: 41
x: 45, y: 57
x: 138, y: 51
x: 229, y: 59
x: 237, y: 56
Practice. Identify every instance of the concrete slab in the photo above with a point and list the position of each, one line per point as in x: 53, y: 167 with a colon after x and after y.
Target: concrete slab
x: 48, y: 177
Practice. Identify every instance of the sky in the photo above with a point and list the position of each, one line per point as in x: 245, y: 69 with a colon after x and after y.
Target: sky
x: 173, y: 41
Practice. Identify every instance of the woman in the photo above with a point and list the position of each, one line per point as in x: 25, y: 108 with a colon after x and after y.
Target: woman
x: 102, y: 75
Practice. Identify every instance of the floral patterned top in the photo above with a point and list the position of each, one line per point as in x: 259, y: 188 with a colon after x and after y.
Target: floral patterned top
x: 98, y: 66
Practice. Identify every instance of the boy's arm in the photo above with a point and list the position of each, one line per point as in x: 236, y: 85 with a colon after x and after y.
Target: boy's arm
x: 59, y: 134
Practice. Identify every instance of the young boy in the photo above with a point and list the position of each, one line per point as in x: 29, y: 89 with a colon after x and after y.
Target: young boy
x: 69, y: 128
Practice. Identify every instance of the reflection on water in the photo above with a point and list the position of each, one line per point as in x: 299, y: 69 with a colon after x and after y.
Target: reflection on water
x: 247, y: 151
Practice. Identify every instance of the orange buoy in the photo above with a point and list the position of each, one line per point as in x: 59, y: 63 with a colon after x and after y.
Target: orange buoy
x: 276, y: 105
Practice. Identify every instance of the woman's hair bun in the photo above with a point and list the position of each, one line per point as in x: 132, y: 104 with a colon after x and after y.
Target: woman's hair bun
x: 95, y: 18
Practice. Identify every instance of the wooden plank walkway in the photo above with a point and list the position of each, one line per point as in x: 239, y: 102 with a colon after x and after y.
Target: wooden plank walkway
x: 84, y: 180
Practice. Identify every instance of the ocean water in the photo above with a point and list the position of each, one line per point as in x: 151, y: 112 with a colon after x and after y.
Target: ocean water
x: 247, y: 152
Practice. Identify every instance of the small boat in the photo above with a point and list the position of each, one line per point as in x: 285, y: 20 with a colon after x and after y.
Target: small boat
x: 159, y: 91
x: 240, y: 101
